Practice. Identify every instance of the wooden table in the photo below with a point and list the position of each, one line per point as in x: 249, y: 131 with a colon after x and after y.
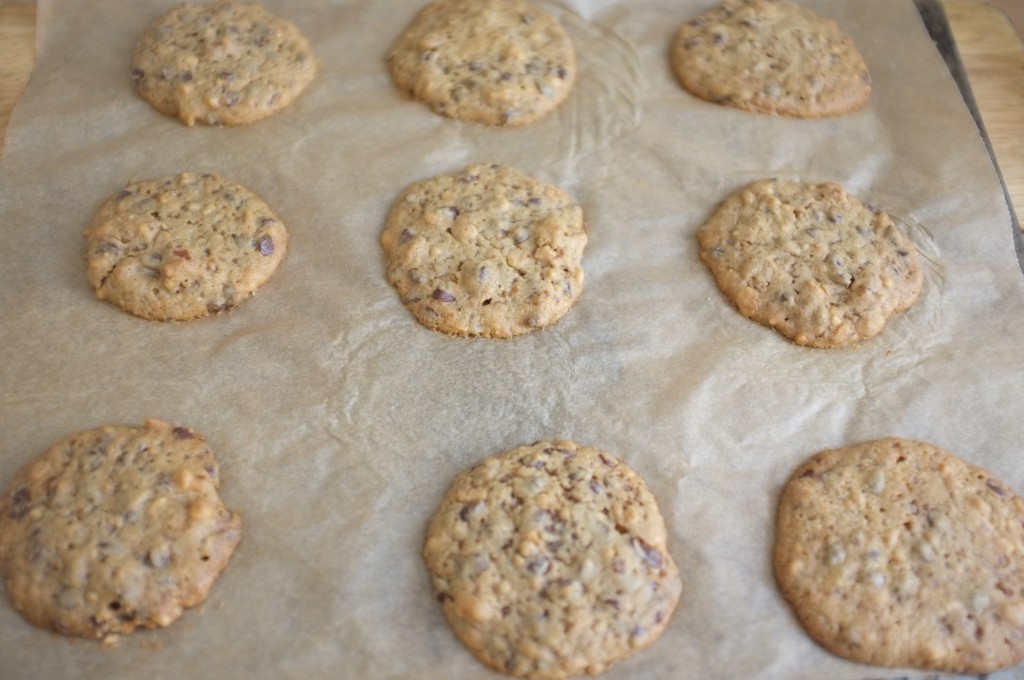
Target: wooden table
x: 991, y: 50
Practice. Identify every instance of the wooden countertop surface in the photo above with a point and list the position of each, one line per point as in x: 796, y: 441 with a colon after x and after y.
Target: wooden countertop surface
x: 990, y: 48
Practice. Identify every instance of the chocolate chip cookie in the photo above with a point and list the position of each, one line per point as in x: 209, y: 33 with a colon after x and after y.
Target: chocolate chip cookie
x: 114, y: 529
x: 221, y: 63
x: 182, y: 247
x: 485, y: 252
x: 773, y: 57
x: 811, y: 261
x: 499, y: 62
x: 550, y: 560
x: 897, y: 553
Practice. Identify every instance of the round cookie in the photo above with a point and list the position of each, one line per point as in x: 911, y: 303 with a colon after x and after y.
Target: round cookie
x: 499, y: 62
x: 221, y: 63
x: 485, y: 252
x: 550, y: 561
x: 182, y: 247
x: 897, y: 553
x: 811, y: 261
x: 772, y: 57
x: 115, y: 528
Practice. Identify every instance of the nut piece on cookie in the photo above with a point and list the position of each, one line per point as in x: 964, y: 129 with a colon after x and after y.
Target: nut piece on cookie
x: 774, y: 57
x: 114, y: 529
x: 182, y: 247
x: 550, y: 560
x: 221, y: 63
x: 485, y: 252
x: 810, y: 261
x: 898, y: 553
x: 498, y: 62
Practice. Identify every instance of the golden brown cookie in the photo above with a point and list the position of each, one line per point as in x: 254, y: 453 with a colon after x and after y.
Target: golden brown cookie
x: 115, y: 528
x: 485, y: 252
x: 811, y: 261
x: 550, y: 560
x: 221, y: 63
x: 499, y: 62
x: 897, y: 553
x: 774, y: 57
x: 182, y: 247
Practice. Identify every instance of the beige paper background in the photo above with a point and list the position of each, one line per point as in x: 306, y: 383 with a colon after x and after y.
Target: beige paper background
x: 339, y: 422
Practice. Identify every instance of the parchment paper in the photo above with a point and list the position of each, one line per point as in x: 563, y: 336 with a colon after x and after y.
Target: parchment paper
x: 339, y: 422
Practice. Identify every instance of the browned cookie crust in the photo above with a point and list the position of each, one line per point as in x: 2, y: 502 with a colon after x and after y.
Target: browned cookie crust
x: 499, y: 62
x: 774, y: 57
x: 811, y: 261
x: 898, y: 553
x: 550, y: 560
x: 485, y: 252
x: 221, y: 63
x: 115, y: 528
x: 182, y: 247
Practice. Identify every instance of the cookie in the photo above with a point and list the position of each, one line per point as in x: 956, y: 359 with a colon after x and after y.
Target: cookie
x: 897, y: 553
x: 485, y: 252
x: 114, y: 529
x: 811, y: 261
x: 222, y: 63
x: 181, y: 247
x: 549, y: 561
x: 771, y: 57
x: 499, y: 62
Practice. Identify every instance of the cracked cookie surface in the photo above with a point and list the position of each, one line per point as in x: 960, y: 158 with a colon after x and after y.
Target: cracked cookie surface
x: 772, y: 57
x: 221, y: 63
x: 898, y: 553
x: 499, y: 62
x: 182, y: 247
x: 810, y: 261
x: 485, y: 252
x: 550, y: 560
x: 115, y: 528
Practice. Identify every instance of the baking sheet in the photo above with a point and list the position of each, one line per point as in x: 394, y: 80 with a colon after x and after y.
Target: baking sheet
x: 339, y: 422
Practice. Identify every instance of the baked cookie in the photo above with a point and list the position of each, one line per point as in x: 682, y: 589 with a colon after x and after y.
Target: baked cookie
x: 499, y: 62
x: 115, y: 528
x: 897, y: 553
x: 774, y: 57
x: 811, y: 261
x: 182, y: 247
x: 550, y: 561
x: 485, y: 252
x: 221, y: 63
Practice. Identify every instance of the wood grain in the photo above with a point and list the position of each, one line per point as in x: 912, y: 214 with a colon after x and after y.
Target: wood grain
x: 990, y: 48
x: 993, y: 57
x: 17, y: 53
